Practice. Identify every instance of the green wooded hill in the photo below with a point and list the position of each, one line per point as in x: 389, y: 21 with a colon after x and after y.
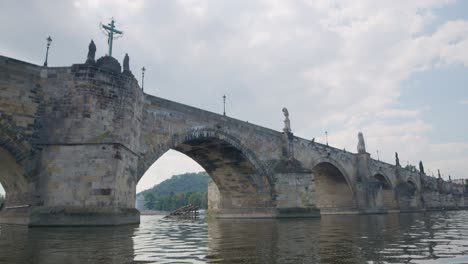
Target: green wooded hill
x: 178, y: 191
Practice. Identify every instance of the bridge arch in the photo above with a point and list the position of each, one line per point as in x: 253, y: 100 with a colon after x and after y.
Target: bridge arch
x: 334, y: 188
x: 413, y: 182
x: 13, y: 180
x: 385, y: 195
x: 408, y: 194
x: 241, y: 179
x: 12, y: 141
x: 384, y: 181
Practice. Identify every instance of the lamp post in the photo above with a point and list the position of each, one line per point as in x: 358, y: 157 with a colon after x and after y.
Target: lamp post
x: 224, y: 105
x: 49, y: 40
x: 143, y: 77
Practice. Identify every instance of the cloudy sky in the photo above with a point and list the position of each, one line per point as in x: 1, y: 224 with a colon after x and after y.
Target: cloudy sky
x: 395, y: 70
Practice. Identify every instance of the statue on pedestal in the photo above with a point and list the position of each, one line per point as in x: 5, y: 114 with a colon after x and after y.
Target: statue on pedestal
x: 361, y: 147
x: 126, y: 63
x: 397, y: 160
x: 287, y: 122
x: 91, y: 53
x: 421, y: 167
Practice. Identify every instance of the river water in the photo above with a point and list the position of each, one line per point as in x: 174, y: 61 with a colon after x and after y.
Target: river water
x: 432, y: 237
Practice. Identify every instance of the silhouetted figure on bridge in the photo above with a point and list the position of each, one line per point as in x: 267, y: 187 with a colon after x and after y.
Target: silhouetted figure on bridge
x: 91, y: 53
x: 421, y: 167
x: 287, y: 122
x: 361, y: 147
x: 312, y: 142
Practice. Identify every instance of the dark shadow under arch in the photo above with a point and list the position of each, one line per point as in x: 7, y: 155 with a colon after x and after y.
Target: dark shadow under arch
x: 241, y: 181
x: 412, y: 186
x: 13, y: 180
x: 385, y: 194
x: 383, y: 181
x: 407, y: 194
x: 333, y: 190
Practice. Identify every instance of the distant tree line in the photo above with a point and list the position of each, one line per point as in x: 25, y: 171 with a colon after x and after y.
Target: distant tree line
x: 178, y: 191
x: 411, y: 167
x: 173, y: 201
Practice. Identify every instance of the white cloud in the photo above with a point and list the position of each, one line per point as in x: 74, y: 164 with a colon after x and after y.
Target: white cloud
x: 463, y: 102
x: 398, y: 113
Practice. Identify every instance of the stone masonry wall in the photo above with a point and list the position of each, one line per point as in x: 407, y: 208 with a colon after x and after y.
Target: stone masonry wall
x: 90, y: 137
x: 20, y: 106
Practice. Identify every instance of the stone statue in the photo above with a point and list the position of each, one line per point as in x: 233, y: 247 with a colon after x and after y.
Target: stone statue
x: 312, y: 142
x: 438, y: 172
x: 91, y: 53
x: 287, y: 122
x: 421, y: 167
x: 126, y: 64
x: 450, y: 178
x: 361, y: 147
x: 397, y: 160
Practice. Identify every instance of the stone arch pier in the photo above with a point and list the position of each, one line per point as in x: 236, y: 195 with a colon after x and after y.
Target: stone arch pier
x: 240, y: 185
x: 334, y: 190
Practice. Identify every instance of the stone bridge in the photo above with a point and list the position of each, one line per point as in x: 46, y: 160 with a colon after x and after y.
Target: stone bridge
x: 75, y: 141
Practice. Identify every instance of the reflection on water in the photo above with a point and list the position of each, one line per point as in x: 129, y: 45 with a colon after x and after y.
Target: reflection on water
x: 161, y: 240
x: 436, y: 237
x: 66, y: 245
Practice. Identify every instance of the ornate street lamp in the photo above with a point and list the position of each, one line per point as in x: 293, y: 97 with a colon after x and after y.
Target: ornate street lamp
x: 224, y: 105
x: 49, y: 40
x: 143, y: 77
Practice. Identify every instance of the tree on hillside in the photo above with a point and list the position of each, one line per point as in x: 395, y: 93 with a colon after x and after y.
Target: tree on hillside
x: 178, y: 191
x: 150, y: 200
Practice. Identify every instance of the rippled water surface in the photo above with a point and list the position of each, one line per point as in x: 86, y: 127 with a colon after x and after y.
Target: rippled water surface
x: 435, y: 237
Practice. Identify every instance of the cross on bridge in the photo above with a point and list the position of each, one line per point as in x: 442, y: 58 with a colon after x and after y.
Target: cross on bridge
x: 110, y: 30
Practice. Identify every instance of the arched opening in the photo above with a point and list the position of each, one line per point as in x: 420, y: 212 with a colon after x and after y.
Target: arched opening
x: 13, y: 182
x: 171, y: 190
x: 407, y: 194
x: 385, y: 197
x: 411, y: 188
x: 2, y: 196
x: 334, y: 193
x: 238, y: 184
x: 430, y: 196
x: 383, y: 183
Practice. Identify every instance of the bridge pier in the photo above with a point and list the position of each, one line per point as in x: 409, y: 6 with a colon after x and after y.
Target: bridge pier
x: 76, y: 185
x: 81, y: 164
